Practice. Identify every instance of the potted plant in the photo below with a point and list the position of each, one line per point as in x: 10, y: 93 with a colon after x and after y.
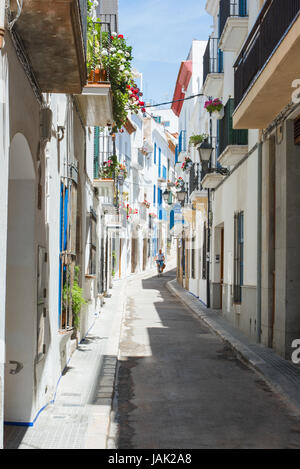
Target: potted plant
x: 112, y: 169
x: 215, y: 108
x: 187, y: 164
x: 195, y: 140
x: 179, y: 183
x: 75, y: 296
x: 110, y: 58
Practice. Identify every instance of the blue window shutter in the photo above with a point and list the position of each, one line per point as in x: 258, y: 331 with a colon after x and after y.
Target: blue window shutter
x: 164, y: 172
x: 176, y: 154
x: 220, y: 61
x: 155, y: 153
x: 154, y: 194
x: 180, y: 142
x: 172, y: 219
x: 243, y: 7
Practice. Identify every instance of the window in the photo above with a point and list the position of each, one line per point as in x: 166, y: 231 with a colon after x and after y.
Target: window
x: 164, y: 172
x: 154, y: 194
x: 155, y: 149
x: 238, y: 256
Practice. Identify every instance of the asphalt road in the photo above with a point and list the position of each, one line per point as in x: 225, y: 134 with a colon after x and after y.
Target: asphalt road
x: 180, y: 386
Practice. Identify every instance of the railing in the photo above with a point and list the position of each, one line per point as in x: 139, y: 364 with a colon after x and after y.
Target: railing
x: 103, y: 36
x: 228, y: 135
x: 103, y: 149
x: 273, y: 23
x: 212, y: 60
x: 229, y: 8
x: 195, y: 178
x: 111, y: 20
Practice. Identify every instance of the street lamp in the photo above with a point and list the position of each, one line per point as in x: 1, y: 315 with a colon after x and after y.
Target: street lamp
x: 166, y: 194
x: 181, y: 196
x: 205, y: 150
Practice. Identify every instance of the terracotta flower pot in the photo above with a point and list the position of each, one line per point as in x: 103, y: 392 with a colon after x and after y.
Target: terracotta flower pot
x: 97, y: 76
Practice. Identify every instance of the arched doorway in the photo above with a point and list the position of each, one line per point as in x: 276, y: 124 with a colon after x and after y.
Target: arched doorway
x: 20, y: 326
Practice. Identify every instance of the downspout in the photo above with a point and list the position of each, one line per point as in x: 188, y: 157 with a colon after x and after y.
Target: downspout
x: 2, y: 22
x: 259, y: 241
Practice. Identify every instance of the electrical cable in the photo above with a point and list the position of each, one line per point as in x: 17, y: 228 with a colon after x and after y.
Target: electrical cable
x: 174, y: 101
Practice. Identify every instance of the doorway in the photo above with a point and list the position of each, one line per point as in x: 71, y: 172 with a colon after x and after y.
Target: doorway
x: 21, y: 286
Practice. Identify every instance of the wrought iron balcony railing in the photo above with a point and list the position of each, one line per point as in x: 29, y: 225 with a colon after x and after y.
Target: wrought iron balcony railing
x: 195, y: 178
x: 228, y: 135
x: 274, y: 22
x: 103, y: 149
x: 229, y: 8
x: 213, y: 58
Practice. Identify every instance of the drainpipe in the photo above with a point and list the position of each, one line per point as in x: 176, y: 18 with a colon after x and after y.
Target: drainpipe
x: 259, y: 240
x: 2, y: 20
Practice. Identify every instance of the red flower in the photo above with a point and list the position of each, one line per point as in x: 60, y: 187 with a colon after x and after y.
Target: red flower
x: 121, y: 36
x: 143, y: 110
x: 141, y: 103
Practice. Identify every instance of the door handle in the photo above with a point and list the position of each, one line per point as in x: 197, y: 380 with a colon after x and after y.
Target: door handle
x: 18, y: 368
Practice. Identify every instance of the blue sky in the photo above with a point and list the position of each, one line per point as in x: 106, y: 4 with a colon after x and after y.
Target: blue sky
x: 161, y: 32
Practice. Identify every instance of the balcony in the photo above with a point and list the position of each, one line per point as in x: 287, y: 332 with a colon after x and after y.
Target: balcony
x: 233, y: 24
x: 53, y: 35
x: 213, y: 76
x: 233, y: 144
x: 103, y: 149
x: 194, y: 179
x: 267, y: 65
x: 212, y: 179
x: 106, y: 193
x: 95, y: 101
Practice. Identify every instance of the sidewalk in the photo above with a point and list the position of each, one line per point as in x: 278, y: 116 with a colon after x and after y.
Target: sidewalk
x: 282, y: 376
x: 79, y: 418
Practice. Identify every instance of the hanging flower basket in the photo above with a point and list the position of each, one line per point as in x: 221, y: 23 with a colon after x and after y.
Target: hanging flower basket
x: 179, y: 183
x: 214, y: 106
x: 187, y: 164
x: 197, y: 139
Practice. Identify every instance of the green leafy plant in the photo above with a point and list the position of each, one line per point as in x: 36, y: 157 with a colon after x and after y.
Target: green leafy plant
x: 112, y: 54
x: 197, y: 139
x: 111, y: 168
x: 74, y: 296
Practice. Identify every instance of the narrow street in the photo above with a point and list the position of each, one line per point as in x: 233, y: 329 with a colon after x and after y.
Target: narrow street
x: 180, y: 386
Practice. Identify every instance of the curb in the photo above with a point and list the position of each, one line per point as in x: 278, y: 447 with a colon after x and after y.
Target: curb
x: 265, y: 370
